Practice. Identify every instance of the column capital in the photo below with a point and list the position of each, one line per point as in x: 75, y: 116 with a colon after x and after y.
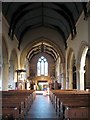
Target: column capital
x: 82, y: 71
x: 78, y: 66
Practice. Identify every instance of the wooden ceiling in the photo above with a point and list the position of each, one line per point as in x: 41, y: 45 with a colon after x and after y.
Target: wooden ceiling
x: 26, y: 16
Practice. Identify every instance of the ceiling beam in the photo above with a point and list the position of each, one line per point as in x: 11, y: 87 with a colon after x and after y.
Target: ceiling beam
x: 36, y: 50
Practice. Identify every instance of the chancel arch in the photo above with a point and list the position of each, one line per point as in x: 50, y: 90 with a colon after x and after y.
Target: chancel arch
x: 51, y: 54
x: 36, y: 42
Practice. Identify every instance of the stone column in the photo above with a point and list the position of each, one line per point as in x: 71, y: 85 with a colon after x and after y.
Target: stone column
x: 5, y: 76
x: 12, y: 74
x: 70, y: 78
x: 66, y: 70
x: 0, y: 76
x: 78, y: 74
x: 62, y: 76
x: 67, y: 83
x: 62, y: 80
x: 80, y: 77
x: 27, y: 68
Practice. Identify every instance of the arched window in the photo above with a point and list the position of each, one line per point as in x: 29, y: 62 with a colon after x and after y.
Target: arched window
x: 42, y: 66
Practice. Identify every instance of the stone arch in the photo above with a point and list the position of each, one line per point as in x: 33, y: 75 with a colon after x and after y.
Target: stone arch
x: 13, y: 65
x: 71, y: 69
x: 27, y: 48
x: 5, y: 65
x: 49, y: 42
x: 70, y: 54
x: 81, y: 58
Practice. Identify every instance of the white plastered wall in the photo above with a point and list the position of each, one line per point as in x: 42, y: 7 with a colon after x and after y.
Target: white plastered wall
x: 0, y: 61
x: 75, y: 44
x: 11, y: 44
x: 82, y: 35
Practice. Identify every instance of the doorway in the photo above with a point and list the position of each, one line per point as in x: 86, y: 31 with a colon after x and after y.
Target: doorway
x: 42, y: 85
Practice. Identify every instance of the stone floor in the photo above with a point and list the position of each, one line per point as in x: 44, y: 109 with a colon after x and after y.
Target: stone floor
x: 42, y: 108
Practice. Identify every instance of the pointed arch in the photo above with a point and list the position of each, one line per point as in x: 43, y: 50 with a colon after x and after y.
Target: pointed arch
x: 71, y: 69
x: 81, y: 58
x: 38, y: 40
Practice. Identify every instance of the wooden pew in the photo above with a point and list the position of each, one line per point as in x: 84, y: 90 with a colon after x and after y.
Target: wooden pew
x: 21, y: 101
x: 71, y: 99
x: 17, y: 99
x: 15, y: 104
x: 11, y: 113
x: 77, y: 113
x: 28, y: 95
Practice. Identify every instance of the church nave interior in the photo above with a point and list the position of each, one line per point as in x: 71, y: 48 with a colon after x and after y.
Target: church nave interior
x: 45, y: 60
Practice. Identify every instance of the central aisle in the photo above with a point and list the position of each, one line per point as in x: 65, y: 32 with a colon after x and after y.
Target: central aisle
x: 42, y: 108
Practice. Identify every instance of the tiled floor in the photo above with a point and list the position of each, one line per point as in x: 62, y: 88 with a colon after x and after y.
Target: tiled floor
x: 42, y: 108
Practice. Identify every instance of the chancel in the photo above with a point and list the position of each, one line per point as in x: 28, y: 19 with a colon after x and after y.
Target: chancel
x: 45, y: 60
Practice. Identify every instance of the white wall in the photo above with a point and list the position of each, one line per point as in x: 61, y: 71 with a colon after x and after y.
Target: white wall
x: 0, y: 47
x: 82, y: 35
x: 76, y: 43
x: 11, y: 44
x: 0, y: 61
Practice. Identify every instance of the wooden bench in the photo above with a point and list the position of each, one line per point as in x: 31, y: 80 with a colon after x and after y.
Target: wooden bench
x: 77, y: 113
x: 70, y: 99
x: 10, y: 113
x: 18, y: 100
x: 14, y: 104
